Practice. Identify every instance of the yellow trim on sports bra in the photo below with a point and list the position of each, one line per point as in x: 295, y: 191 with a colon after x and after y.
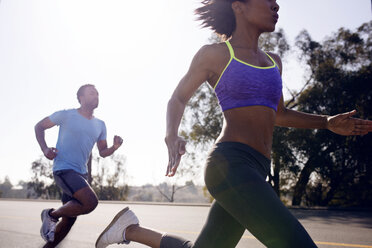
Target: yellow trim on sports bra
x: 231, y: 50
x: 241, y: 61
x: 232, y: 56
x: 228, y: 63
x: 271, y: 59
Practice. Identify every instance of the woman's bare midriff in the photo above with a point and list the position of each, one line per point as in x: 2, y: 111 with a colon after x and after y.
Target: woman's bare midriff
x: 252, y: 125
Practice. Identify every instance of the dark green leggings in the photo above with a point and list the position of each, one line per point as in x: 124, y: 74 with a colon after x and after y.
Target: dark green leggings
x: 235, y: 176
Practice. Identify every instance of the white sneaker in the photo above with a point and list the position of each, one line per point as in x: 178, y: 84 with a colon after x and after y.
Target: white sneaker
x: 48, y: 226
x: 114, y: 232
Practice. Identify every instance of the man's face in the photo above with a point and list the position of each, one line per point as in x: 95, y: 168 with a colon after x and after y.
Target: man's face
x: 89, y: 97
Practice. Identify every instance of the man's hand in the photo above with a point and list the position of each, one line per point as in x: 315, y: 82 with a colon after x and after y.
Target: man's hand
x: 344, y: 124
x: 176, y: 148
x: 117, y: 142
x: 50, y: 153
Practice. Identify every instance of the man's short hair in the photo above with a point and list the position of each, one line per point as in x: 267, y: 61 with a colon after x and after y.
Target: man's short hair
x: 81, y: 90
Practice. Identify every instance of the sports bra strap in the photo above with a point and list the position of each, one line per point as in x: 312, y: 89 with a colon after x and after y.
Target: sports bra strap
x: 272, y: 59
x: 230, y: 49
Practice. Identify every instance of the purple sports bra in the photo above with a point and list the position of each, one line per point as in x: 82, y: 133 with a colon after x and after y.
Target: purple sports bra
x: 241, y: 84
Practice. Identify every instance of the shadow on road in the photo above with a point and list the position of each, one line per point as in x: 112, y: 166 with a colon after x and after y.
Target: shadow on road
x: 354, y: 218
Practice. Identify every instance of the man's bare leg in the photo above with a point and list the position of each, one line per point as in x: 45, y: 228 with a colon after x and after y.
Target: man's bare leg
x: 86, y: 201
x: 62, y: 229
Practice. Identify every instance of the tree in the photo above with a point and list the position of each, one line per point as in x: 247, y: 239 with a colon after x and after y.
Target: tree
x: 340, y: 76
x: 42, y: 182
x: 107, y: 182
x: 169, y: 192
x: 5, y: 187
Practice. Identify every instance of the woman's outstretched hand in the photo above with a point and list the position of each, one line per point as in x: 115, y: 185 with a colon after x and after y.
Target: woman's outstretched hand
x: 344, y: 124
x: 176, y: 148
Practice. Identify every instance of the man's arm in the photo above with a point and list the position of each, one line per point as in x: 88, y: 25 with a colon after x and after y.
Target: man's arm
x: 40, y: 127
x: 104, y: 151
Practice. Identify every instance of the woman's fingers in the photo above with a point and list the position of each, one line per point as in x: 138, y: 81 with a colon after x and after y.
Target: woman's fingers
x: 175, y: 153
x: 362, y: 126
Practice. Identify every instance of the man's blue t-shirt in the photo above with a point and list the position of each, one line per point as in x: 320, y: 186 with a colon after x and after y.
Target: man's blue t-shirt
x: 76, y: 138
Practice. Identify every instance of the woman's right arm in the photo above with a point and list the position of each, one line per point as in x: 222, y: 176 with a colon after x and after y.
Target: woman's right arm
x: 199, y: 72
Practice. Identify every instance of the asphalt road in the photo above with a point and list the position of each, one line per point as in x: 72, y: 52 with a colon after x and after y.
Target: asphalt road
x: 20, y: 224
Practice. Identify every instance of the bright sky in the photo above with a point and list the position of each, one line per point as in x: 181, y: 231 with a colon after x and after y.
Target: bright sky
x: 135, y: 52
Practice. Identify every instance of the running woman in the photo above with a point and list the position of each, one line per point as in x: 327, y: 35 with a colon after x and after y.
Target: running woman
x: 79, y: 130
x: 248, y: 84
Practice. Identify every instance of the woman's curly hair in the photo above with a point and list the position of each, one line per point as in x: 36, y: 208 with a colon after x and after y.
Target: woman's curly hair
x: 218, y: 15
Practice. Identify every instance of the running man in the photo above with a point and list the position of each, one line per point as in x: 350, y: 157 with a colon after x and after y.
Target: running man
x: 79, y: 131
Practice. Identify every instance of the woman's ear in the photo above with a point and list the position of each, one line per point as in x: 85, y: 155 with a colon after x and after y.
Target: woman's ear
x: 236, y: 6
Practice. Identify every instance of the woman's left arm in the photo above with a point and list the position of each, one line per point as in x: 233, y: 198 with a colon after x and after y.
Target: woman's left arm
x: 343, y: 124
